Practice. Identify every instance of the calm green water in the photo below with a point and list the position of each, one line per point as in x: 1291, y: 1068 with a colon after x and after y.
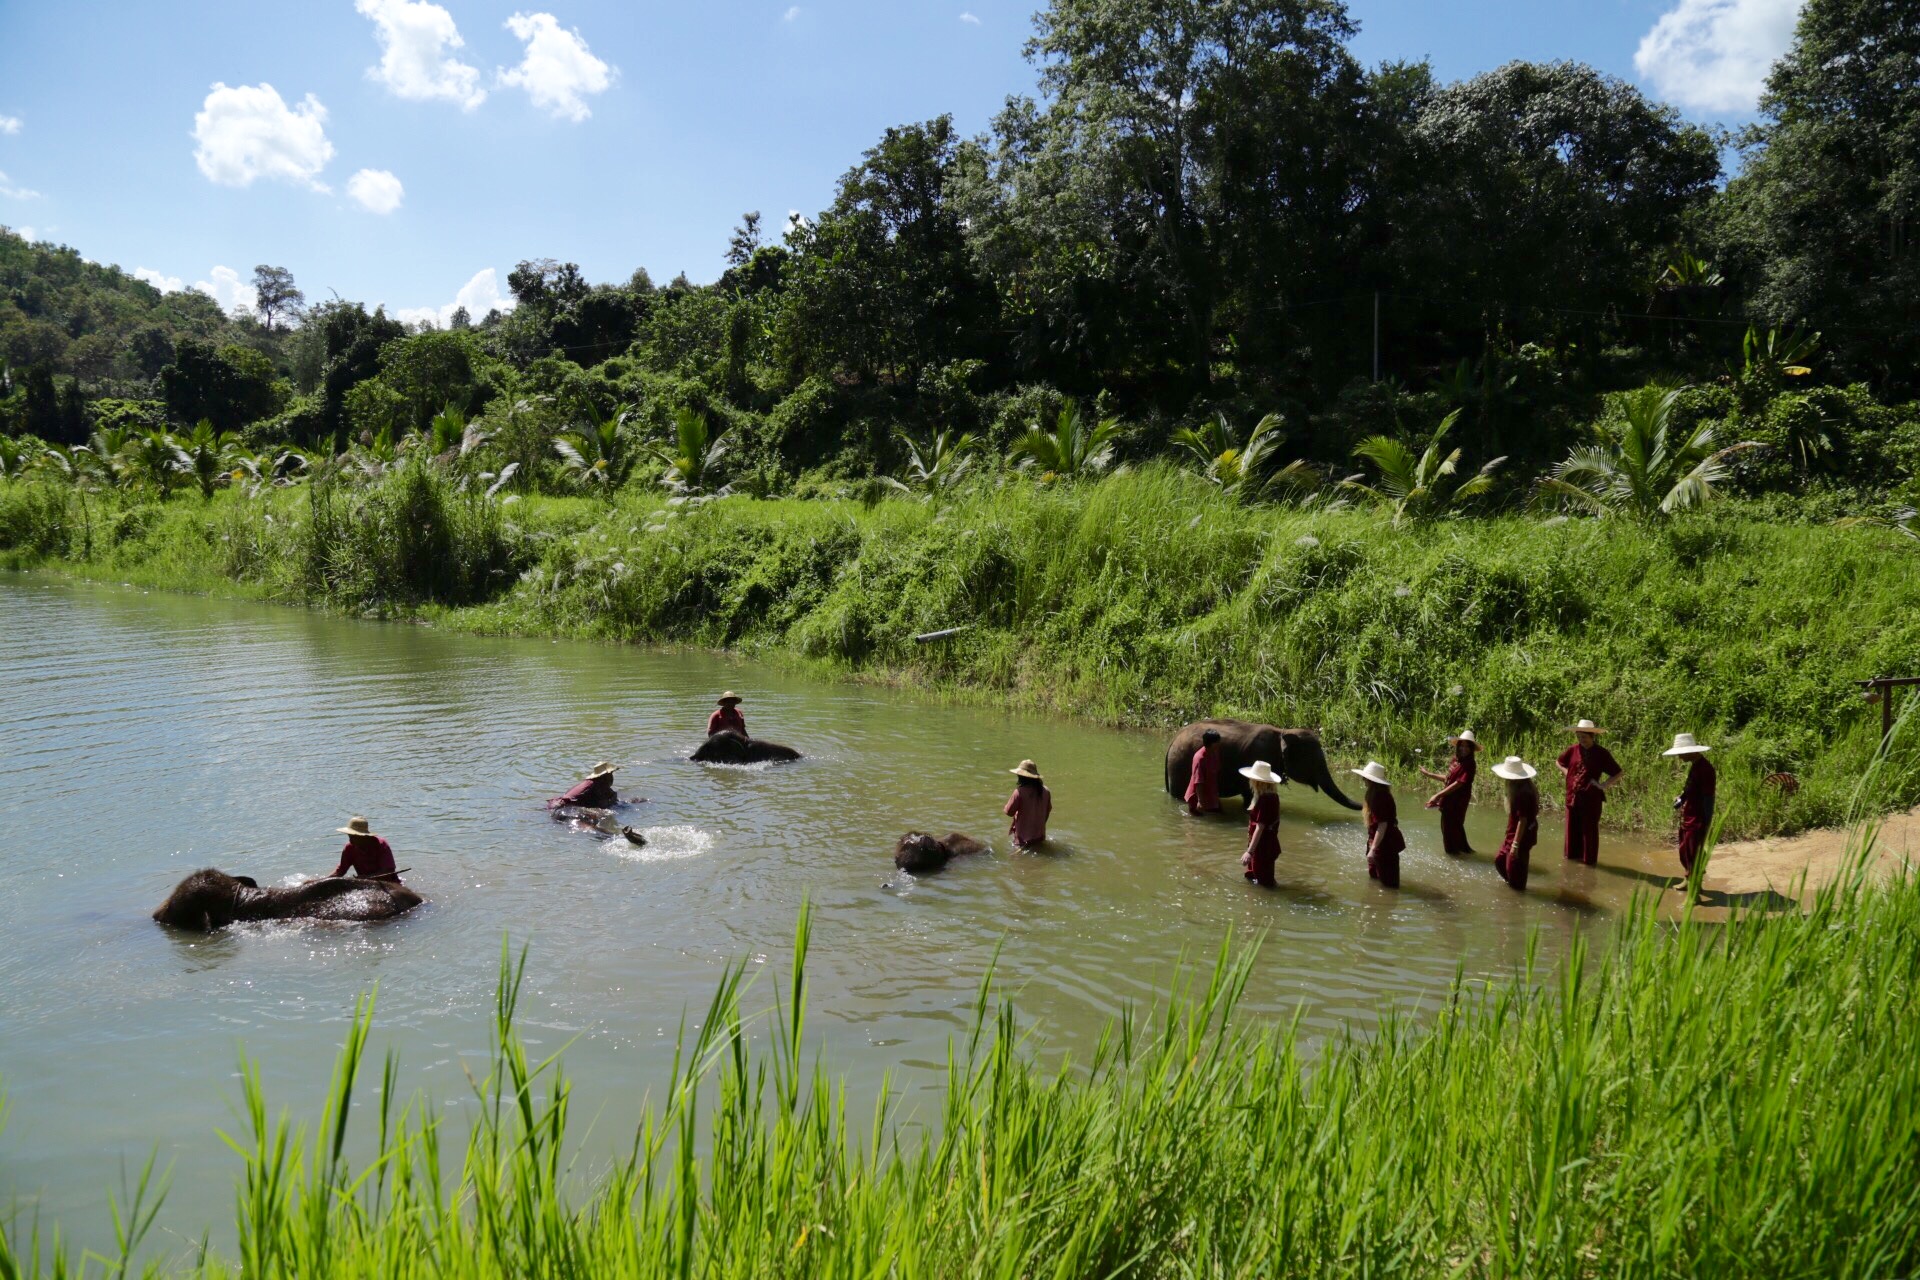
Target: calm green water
x: 148, y: 735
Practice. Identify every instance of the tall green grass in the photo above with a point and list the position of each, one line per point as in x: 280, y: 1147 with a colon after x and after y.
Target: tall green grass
x: 1144, y: 598
x: 1696, y: 1101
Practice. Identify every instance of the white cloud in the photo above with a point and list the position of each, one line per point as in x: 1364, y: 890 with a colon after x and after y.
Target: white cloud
x: 376, y: 190
x: 16, y: 193
x: 10, y: 124
x: 248, y: 132
x: 165, y: 284
x: 1714, y: 55
x: 415, y: 39
x: 791, y: 14
x: 27, y: 233
x: 969, y: 18
x: 478, y: 295
x: 228, y: 289
x: 557, y: 70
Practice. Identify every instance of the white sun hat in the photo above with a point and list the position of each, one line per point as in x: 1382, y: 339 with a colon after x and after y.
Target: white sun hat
x: 1261, y: 771
x: 1374, y: 772
x: 1466, y: 735
x: 1588, y: 726
x: 1684, y: 745
x: 1514, y: 768
x: 601, y: 770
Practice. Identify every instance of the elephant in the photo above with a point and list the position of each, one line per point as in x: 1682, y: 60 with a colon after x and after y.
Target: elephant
x: 1293, y: 752
x: 917, y: 852
x: 728, y: 747
x: 210, y: 899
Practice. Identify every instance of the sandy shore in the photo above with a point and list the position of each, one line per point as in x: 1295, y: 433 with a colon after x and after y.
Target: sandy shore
x: 1750, y: 869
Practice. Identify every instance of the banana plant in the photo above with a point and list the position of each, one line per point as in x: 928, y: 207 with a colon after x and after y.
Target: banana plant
x: 1775, y: 355
x: 1644, y: 465
x: 1075, y: 447
x: 1423, y: 485
x: 694, y: 458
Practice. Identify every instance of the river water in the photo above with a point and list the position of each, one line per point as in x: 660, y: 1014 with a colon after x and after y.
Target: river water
x: 149, y: 734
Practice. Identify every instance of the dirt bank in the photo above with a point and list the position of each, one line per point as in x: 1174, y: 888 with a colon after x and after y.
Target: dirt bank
x: 1775, y: 865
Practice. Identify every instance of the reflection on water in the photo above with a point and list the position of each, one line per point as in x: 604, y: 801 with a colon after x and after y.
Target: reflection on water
x: 150, y: 735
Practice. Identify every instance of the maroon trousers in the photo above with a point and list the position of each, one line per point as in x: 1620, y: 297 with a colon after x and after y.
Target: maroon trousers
x: 1516, y: 851
x: 1583, y: 828
x: 1383, y: 856
x: 1693, y: 838
x: 1453, y: 823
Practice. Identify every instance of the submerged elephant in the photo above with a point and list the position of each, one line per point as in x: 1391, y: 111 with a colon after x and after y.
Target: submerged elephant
x: 728, y: 747
x: 209, y: 900
x: 1294, y: 752
x: 917, y: 852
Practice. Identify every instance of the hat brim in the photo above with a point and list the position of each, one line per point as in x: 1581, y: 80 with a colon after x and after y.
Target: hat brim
x: 728, y: 701
x: 1529, y: 775
x: 1251, y: 776
x: 1695, y: 750
x: 349, y: 831
x: 1472, y: 742
x: 1362, y: 773
x: 1574, y: 728
x: 603, y: 773
x: 1023, y: 773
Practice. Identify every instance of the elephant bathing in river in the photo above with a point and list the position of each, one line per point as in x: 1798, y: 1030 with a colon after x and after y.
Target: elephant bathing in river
x: 728, y: 747
x: 1294, y: 752
x: 918, y: 853
x: 209, y: 900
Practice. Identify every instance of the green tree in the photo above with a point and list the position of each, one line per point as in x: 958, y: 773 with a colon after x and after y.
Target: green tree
x: 694, y: 458
x: 1244, y: 469
x: 1644, y: 465
x: 597, y: 453
x: 275, y: 296
x: 1423, y: 484
x: 1076, y: 446
x: 205, y: 456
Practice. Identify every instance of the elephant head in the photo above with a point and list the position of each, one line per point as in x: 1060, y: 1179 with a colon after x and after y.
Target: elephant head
x: 1295, y: 752
x: 917, y: 852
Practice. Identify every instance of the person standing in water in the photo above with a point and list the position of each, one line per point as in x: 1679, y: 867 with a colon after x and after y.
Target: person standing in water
x: 1456, y: 792
x: 1591, y: 772
x: 595, y: 791
x: 366, y: 855
x: 1695, y: 801
x: 1029, y: 806
x: 1384, y: 841
x: 727, y: 716
x: 1203, y: 780
x: 1523, y: 820
x: 1263, y: 824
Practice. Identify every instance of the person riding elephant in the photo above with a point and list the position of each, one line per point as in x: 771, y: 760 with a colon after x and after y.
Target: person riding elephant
x: 210, y: 899
x: 1295, y: 754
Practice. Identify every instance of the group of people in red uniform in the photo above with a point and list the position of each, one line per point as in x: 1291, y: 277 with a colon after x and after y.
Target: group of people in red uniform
x: 1589, y: 768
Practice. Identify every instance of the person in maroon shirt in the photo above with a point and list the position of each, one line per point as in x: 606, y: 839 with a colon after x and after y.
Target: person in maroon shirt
x: 1456, y: 793
x: 1695, y: 801
x: 594, y: 792
x: 1030, y: 805
x: 1591, y: 772
x: 1263, y: 824
x: 727, y: 716
x: 366, y: 854
x: 1523, y: 820
x: 1385, y: 844
x: 1203, y: 780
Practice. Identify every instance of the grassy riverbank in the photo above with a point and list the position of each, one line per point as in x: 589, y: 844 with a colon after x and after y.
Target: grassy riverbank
x: 1145, y: 598
x: 1697, y: 1101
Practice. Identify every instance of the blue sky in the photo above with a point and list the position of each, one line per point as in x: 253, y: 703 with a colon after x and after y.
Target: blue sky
x: 388, y: 164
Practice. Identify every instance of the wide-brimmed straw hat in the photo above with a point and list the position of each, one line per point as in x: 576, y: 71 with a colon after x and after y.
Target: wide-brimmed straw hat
x: 1466, y: 735
x: 1514, y: 769
x: 1684, y: 745
x: 1026, y: 769
x: 729, y: 696
x: 1587, y: 726
x: 1374, y: 772
x: 356, y: 826
x: 601, y: 770
x: 1261, y: 771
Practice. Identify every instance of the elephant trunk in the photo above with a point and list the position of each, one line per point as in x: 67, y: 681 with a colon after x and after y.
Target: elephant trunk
x: 1307, y: 762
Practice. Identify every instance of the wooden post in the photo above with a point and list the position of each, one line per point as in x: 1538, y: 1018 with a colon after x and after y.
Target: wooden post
x: 1883, y: 687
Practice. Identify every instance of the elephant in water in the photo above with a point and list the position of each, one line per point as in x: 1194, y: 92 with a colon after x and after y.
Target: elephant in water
x: 1294, y: 752
x: 917, y: 852
x: 209, y: 900
x: 728, y: 747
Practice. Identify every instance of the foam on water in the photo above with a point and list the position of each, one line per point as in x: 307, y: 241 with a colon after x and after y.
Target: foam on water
x: 664, y: 844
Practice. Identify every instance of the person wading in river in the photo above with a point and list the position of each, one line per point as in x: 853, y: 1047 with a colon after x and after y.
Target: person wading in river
x: 1263, y: 824
x: 1029, y: 806
x: 1456, y: 793
x: 594, y: 792
x: 366, y: 854
x: 1591, y: 772
x: 1384, y: 841
x: 1695, y: 801
x: 1523, y: 820
x: 1203, y: 780
x: 727, y: 716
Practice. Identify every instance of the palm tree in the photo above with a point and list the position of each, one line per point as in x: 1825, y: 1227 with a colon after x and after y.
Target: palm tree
x: 597, y: 455
x: 693, y: 460
x: 1644, y: 465
x: 153, y: 457
x: 109, y: 449
x: 1422, y: 486
x: 939, y: 463
x: 450, y: 437
x: 267, y: 469
x: 1071, y: 450
x: 205, y: 456
x: 1243, y: 469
